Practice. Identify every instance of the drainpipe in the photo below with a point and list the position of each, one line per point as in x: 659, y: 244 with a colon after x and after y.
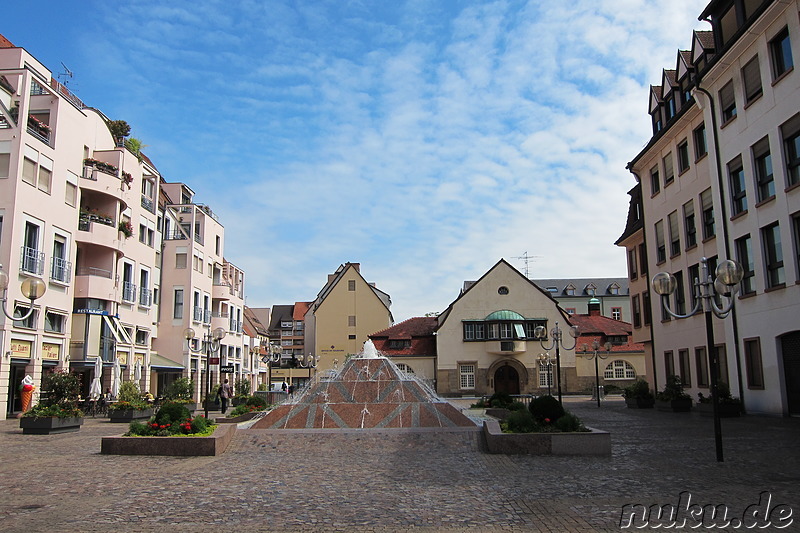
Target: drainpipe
x: 725, y: 237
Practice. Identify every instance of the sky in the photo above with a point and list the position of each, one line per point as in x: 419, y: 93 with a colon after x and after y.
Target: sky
x: 424, y: 139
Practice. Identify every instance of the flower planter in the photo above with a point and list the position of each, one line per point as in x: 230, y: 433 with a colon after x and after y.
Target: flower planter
x: 236, y: 419
x: 681, y: 405
x: 48, y: 425
x: 592, y: 442
x: 726, y: 410
x: 129, y: 415
x: 175, y: 446
x: 640, y: 403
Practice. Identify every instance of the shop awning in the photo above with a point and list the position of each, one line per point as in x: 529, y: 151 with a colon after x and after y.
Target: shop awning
x: 162, y: 363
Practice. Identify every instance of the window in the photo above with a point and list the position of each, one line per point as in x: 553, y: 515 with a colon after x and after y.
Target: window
x: 762, y: 161
x: 351, y: 285
x: 669, y: 170
x: 71, y: 194
x: 467, y: 374
x: 738, y: 191
x: 795, y: 226
x: 773, y: 255
x: 655, y: 182
x: 791, y: 140
x: 679, y: 294
x: 28, y: 323
x: 632, y: 270
x: 753, y: 365
x: 643, y: 259
x: 32, y: 258
x: 700, y: 146
x: 545, y: 375
x: 707, y: 205
x: 701, y: 362
x: 54, y: 322
x: 780, y: 49
x: 674, y: 234
x: 616, y: 313
x: 402, y: 367
x: 683, y: 156
x: 61, y: 268
x: 180, y: 260
x: 400, y: 344
x: 217, y: 245
x: 694, y: 275
x: 646, y: 308
x: 661, y: 249
x: 722, y: 364
x: 669, y: 105
x: 685, y: 371
x: 45, y: 174
x: 141, y: 336
x: 29, y: 171
x: 5, y: 158
x: 177, y: 309
x: 570, y: 310
x: 351, y: 321
x: 502, y: 290
x: 619, y: 370
x: 727, y: 103
x: 505, y: 330
x: 689, y: 225
x: 637, y: 312
x: 751, y: 76
x: 728, y: 24
x: 744, y: 255
x: 669, y: 363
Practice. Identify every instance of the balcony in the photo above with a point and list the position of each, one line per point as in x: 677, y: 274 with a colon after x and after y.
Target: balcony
x: 128, y: 292
x: 145, y: 297
x: 91, y: 282
x: 219, y: 320
x: 197, y: 314
x: 102, y: 166
x: 60, y: 270
x: 198, y: 238
x: 506, y: 347
x: 39, y: 130
x: 206, y: 316
x: 32, y: 261
x: 98, y: 232
x: 221, y: 291
x: 175, y: 236
x: 148, y: 204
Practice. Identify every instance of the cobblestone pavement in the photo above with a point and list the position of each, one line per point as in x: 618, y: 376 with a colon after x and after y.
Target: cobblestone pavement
x: 378, y: 481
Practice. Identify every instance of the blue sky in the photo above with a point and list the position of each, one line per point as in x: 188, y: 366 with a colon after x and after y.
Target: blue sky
x: 423, y: 139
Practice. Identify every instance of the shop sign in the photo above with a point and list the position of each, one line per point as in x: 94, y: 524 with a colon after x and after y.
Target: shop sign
x: 213, y: 360
x: 51, y: 351
x: 122, y: 357
x: 21, y: 349
x: 226, y: 369
x: 91, y: 312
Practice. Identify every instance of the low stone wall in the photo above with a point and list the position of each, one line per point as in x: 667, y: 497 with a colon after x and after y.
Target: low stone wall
x: 236, y: 419
x: 594, y: 442
x: 215, y: 444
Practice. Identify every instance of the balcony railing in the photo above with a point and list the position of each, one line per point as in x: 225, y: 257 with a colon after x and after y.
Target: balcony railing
x: 207, y: 316
x: 39, y: 134
x: 217, y: 314
x: 197, y: 314
x: 60, y: 270
x: 145, y: 297
x: 32, y: 261
x: 147, y: 203
x: 174, y: 236
x: 128, y: 292
x: 92, y: 271
x: 198, y: 238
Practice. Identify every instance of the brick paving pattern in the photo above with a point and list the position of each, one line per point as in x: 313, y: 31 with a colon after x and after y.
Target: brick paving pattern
x: 386, y: 481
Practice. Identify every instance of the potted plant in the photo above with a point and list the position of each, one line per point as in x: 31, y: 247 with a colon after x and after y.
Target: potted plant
x: 242, y: 389
x: 672, y: 398
x: 638, y: 395
x: 728, y: 405
x: 130, y: 405
x: 57, y: 410
x: 126, y: 228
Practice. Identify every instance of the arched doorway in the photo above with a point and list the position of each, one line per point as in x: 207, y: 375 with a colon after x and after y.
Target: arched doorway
x: 790, y: 347
x: 506, y: 379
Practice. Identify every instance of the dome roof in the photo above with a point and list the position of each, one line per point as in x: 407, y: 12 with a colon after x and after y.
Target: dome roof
x: 505, y: 315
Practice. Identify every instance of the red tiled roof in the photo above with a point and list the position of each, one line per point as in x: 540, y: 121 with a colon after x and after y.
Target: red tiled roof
x: 420, y: 326
x: 588, y: 324
x: 300, y: 309
x: 5, y: 43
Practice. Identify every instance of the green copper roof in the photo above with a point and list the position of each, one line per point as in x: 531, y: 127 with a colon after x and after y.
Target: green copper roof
x: 505, y: 315
x: 594, y: 301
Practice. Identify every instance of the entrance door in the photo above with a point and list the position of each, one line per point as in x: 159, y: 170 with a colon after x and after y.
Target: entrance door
x: 16, y: 373
x: 790, y: 346
x: 506, y: 379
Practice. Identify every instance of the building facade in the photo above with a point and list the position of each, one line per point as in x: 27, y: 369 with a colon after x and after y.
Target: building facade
x: 720, y: 179
x: 574, y: 295
x: 411, y: 345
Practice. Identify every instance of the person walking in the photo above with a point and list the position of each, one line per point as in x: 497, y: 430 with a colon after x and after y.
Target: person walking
x: 225, y: 393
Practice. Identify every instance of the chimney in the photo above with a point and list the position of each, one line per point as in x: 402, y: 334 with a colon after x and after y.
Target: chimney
x: 594, y: 307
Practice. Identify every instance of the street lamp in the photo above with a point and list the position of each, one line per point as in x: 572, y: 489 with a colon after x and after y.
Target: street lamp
x: 210, y: 344
x: 728, y: 275
x: 540, y: 332
x: 307, y: 362
x: 272, y: 356
x: 32, y: 289
x: 596, y: 356
x: 547, y: 360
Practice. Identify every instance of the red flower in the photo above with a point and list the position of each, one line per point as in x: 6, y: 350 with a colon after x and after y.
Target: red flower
x: 547, y: 420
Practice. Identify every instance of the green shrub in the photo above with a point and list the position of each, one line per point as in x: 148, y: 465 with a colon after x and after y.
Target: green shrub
x: 673, y: 390
x: 129, y: 392
x: 569, y: 423
x: 612, y: 389
x: 520, y: 421
x: 180, y: 389
x: 242, y: 387
x: 638, y: 389
x: 546, y: 408
x: 480, y: 404
x: 199, y: 424
x: 500, y: 400
x: 517, y: 406
x: 171, y: 413
x: 256, y: 401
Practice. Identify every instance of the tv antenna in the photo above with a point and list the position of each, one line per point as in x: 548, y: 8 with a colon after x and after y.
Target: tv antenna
x: 527, y: 259
x: 66, y: 75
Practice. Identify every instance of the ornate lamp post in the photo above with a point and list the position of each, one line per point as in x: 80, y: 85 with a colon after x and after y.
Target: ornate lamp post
x: 32, y: 289
x: 210, y: 344
x: 272, y: 356
x: 547, y: 360
x: 596, y: 356
x: 308, y: 362
x: 540, y: 332
x: 728, y: 275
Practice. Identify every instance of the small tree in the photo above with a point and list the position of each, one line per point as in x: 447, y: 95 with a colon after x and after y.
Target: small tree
x: 242, y: 387
x: 129, y: 392
x: 60, y: 389
x: 180, y: 389
x: 119, y: 128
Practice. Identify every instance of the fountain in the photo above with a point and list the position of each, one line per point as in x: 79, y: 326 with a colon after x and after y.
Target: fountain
x: 368, y: 392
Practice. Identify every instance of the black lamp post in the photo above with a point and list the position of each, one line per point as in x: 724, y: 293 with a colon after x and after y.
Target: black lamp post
x: 596, y: 356
x: 210, y: 344
x: 540, y: 332
x: 728, y: 275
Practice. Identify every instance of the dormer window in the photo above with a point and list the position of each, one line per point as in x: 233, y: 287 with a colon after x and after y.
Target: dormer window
x: 614, y: 289
x: 570, y: 290
x: 591, y: 289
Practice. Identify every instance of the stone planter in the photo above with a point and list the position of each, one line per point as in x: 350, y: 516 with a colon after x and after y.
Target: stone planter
x: 726, y: 410
x: 129, y: 415
x: 176, y: 446
x: 681, y: 405
x: 236, y: 419
x: 48, y: 425
x: 640, y: 403
x: 593, y: 442
x: 498, y: 412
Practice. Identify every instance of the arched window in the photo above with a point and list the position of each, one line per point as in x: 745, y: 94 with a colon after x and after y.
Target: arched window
x: 619, y: 369
x: 405, y: 368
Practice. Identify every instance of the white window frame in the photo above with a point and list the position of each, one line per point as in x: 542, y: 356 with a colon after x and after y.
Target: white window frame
x: 466, y: 374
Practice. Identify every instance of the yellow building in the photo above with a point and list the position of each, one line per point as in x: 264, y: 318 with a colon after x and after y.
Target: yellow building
x: 344, y: 313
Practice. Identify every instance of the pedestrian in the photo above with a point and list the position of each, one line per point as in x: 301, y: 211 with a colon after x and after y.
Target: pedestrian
x: 291, y: 389
x: 225, y: 393
x: 283, y: 387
